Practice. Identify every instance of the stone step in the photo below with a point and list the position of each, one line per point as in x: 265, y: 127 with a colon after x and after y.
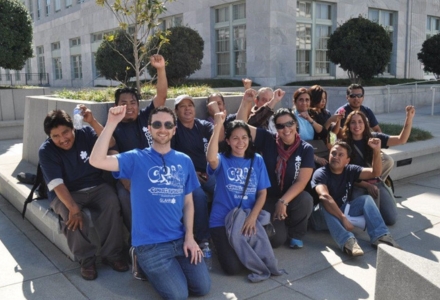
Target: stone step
x: 10, y: 130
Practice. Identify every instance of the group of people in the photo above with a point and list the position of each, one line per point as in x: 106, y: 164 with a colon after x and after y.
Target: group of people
x: 170, y: 164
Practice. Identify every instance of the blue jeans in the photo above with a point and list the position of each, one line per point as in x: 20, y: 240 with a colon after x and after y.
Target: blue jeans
x: 362, y: 205
x: 201, y: 216
x: 171, y: 273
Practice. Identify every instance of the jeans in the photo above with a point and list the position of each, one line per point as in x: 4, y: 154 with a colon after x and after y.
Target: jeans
x: 171, y: 273
x: 201, y: 216
x: 363, y: 205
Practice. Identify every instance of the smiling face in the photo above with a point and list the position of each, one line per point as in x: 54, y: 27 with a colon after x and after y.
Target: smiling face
x: 185, y: 111
x: 323, y: 102
x: 63, y: 137
x: 287, y: 134
x: 302, y: 102
x: 239, y: 142
x: 357, y: 127
x: 355, y: 103
x: 132, y: 104
x: 338, y: 158
x: 162, y: 135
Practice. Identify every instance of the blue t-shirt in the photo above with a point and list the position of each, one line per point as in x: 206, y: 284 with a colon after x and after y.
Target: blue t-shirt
x: 362, y: 145
x: 339, y: 185
x: 135, y: 134
x: 265, y: 143
x: 230, y: 178
x: 306, y: 130
x: 159, y: 184
x: 71, y: 165
x: 193, y: 142
x: 367, y: 112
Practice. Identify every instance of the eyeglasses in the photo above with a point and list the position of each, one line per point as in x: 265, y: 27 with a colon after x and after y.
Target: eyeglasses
x: 158, y: 125
x: 356, y: 95
x: 287, y: 124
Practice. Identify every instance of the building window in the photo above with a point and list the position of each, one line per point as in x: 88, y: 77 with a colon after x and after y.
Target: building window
x: 8, y: 75
x: 75, y: 42
x: 40, y: 62
x: 387, y: 19
x: 17, y: 76
x: 31, y: 8
x: 168, y: 22
x: 57, y: 5
x: 28, y: 68
x: 97, y: 37
x: 76, y: 66
x: 57, y: 70
x: 230, y: 43
x: 432, y: 26
x: 68, y: 3
x: 314, y: 23
x: 80, y: 1
x: 47, y: 7
x: 39, y: 8
x: 55, y: 46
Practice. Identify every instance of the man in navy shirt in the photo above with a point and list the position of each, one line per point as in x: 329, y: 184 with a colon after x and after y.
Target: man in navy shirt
x: 133, y: 132
x: 74, y: 185
x: 333, y: 183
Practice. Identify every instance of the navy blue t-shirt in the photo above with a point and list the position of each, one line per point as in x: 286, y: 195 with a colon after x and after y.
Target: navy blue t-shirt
x: 362, y: 145
x: 367, y: 112
x: 265, y: 143
x: 339, y: 185
x: 71, y: 165
x: 194, y: 142
x: 135, y: 134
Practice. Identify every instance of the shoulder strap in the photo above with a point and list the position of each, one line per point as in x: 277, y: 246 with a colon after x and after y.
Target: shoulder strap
x: 361, y: 155
x: 248, y: 176
x: 38, y: 180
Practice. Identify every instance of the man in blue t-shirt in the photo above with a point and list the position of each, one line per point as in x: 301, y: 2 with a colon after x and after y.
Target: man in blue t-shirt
x: 355, y: 98
x: 163, y: 181
x: 333, y: 183
x: 132, y: 132
x: 74, y: 185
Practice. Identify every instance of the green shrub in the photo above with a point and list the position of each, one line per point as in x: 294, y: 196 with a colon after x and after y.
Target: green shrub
x: 429, y: 55
x: 417, y: 134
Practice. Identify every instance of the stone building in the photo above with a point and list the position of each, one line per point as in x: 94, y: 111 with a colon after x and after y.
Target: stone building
x: 272, y: 42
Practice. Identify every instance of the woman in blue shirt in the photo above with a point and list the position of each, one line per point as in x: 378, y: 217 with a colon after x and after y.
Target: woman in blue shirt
x: 230, y: 169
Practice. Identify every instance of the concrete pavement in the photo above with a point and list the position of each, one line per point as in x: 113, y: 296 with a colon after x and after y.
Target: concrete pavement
x: 31, y: 267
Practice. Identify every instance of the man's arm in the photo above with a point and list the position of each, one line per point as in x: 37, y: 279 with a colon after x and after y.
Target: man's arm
x: 99, y: 158
x: 188, y: 221
x: 211, y: 154
x: 158, y: 62
x: 259, y: 117
x: 331, y: 207
x: 246, y: 105
x: 75, y: 216
x: 89, y: 118
x: 376, y: 168
x: 402, y: 138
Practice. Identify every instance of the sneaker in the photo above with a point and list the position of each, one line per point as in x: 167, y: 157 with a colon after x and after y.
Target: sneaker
x: 388, y: 240
x: 135, y: 269
x: 296, y: 244
x: 352, y: 248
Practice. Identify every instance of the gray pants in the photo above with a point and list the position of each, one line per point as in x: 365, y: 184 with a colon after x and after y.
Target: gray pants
x: 106, y: 217
x: 124, y: 199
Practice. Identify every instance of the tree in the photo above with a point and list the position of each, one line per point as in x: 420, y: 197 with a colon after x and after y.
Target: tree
x: 361, y: 47
x: 15, y: 35
x: 141, y: 17
x: 183, y: 53
x: 114, y: 58
x: 429, y: 55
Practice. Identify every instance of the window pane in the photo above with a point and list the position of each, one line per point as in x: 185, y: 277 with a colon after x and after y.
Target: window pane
x: 323, y: 11
x: 373, y: 15
x: 304, y: 9
x: 239, y: 11
x: 222, y: 15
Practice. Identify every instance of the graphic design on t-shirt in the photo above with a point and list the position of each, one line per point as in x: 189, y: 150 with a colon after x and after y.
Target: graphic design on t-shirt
x: 205, y: 145
x: 237, y: 179
x: 347, y: 190
x: 298, y: 160
x: 148, y: 135
x: 84, y: 156
x: 168, y: 181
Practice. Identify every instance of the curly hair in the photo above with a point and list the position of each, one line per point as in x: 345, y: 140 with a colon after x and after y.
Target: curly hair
x: 347, y: 136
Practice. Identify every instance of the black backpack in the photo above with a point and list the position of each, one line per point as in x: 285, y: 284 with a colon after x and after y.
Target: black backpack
x: 39, y: 187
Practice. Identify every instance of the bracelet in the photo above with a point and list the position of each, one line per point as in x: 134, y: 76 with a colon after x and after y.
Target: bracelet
x: 282, y: 201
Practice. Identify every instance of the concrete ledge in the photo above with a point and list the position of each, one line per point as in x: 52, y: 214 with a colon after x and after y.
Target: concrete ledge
x: 10, y: 130
x: 402, y: 275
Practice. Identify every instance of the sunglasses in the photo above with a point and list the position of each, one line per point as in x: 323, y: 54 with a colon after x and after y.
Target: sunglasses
x: 158, y: 125
x: 287, y: 124
x: 356, y: 95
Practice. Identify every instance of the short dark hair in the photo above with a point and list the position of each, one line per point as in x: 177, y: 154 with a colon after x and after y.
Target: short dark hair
x: 126, y: 90
x: 316, y: 92
x: 165, y: 110
x: 355, y: 86
x: 55, y: 118
x: 230, y: 127
x: 285, y: 111
x: 299, y: 92
x: 215, y: 95
x: 344, y: 145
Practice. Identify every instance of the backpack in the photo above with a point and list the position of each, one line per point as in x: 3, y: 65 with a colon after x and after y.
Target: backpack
x: 39, y: 187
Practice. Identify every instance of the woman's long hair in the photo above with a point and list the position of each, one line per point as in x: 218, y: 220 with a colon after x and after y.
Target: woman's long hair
x: 230, y: 127
x: 347, y: 136
x: 316, y: 92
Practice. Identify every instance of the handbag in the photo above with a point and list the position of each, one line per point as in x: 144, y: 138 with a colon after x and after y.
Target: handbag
x: 269, y: 228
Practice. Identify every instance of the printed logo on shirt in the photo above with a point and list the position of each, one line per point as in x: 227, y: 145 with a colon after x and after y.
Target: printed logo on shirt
x: 148, y: 135
x: 298, y: 160
x: 168, y: 180
x: 237, y: 180
x: 347, y: 191
x: 205, y: 145
x: 84, y: 156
